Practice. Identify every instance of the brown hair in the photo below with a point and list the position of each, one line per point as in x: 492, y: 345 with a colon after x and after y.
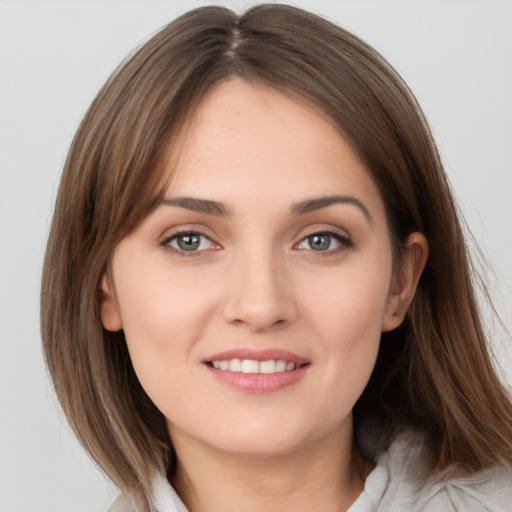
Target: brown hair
x: 433, y: 371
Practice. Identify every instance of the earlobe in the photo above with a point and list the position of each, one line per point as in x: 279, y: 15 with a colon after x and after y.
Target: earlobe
x: 110, y: 317
x: 405, y: 280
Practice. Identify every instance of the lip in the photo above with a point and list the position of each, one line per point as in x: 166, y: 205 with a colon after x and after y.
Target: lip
x: 258, y: 383
x: 257, y: 355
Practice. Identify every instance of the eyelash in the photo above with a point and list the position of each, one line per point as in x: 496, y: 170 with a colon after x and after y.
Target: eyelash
x: 343, y: 240
x: 344, y: 243
x: 165, y: 243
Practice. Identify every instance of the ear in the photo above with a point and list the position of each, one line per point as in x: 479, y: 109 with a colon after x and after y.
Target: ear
x: 405, y: 279
x: 110, y: 317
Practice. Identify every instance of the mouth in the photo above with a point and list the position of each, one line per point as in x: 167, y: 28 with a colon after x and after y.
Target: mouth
x: 257, y: 370
x: 253, y: 366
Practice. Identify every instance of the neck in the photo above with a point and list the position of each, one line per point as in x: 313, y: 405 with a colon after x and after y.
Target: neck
x: 327, y: 475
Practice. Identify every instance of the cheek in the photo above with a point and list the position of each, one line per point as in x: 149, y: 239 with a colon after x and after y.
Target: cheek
x: 347, y: 313
x: 163, y: 313
x: 155, y: 297
x: 350, y: 302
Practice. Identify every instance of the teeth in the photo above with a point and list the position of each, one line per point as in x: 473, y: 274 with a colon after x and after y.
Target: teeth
x: 253, y: 366
x: 267, y: 366
x: 235, y: 365
x: 250, y: 366
x: 280, y: 366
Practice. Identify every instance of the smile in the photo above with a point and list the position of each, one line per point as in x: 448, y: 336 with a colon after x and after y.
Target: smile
x: 253, y: 366
x: 257, y: 370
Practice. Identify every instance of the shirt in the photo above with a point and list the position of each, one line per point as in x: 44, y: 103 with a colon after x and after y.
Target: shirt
x: 399, y: 483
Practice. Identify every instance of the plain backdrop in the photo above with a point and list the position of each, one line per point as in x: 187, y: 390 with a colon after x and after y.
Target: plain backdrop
x: 54, y: 55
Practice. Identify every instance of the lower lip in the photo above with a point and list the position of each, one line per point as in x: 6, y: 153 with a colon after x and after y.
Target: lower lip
x: 259, y: 382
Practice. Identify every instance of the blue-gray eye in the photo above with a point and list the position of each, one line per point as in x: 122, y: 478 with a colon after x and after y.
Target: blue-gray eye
x: 190, y: 242
x: 319, y: 241
x: 324, y: 241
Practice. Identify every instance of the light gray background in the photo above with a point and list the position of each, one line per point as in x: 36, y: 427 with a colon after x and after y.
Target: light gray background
x: 456, y: 55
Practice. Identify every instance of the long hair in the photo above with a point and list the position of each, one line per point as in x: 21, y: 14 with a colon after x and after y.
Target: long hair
x: 434, y: 371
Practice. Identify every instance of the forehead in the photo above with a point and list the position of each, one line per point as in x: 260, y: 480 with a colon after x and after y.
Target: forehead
x: 243, y: 136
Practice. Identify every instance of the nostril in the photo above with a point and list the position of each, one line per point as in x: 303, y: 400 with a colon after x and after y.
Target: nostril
x: 259, y: 303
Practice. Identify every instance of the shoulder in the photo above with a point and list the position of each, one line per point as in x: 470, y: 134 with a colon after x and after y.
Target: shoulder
x: 401, y: 483
x: 489, y: 490
x: 164, y: 498
x: 126, y: 503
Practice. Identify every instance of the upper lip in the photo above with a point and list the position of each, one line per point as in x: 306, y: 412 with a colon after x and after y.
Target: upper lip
x: 265, y: 354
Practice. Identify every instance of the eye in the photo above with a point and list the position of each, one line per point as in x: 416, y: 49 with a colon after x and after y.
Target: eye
x: 324, y: 241
x: 190, y: 241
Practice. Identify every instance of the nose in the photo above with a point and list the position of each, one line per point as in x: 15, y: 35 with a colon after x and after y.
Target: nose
x: 259, y: 294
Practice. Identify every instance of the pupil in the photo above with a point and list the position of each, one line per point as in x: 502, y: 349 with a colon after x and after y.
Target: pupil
x: 319, y: 242
x: 189, y: 242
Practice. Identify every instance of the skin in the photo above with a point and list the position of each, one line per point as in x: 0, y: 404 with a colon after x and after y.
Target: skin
x: 256, y: 281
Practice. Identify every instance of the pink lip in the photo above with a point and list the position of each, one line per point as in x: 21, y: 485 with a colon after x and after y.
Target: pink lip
x: 258, y: 383
x: 257, y: 355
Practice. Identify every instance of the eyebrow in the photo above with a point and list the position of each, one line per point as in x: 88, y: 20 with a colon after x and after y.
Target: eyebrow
x: 311, y: 205
x: 198, y: 205
x: 217, y: 209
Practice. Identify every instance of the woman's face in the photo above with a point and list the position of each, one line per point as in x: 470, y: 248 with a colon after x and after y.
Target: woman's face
x: 253, y: 298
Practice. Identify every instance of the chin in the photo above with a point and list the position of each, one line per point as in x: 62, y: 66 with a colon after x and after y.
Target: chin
x: 246, y: 437
x: 269, y: 438
x: 268, y: 445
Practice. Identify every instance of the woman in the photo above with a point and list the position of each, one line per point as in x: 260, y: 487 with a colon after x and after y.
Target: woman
x: 256, y: 292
